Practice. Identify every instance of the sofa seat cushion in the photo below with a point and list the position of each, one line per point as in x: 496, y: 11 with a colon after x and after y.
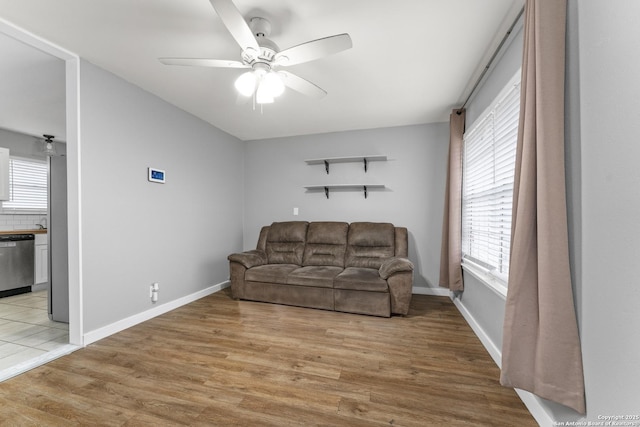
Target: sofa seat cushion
x: 361, y: 279
x: 321, y: 277
x: 270, y: 273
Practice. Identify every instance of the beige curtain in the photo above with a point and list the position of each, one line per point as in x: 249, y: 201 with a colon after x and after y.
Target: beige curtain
x: 541, y: 348
x: 451, y: 251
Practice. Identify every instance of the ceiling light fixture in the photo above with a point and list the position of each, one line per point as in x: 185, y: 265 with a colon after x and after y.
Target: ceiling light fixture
x: 262, y: 56
x: 49, y: 145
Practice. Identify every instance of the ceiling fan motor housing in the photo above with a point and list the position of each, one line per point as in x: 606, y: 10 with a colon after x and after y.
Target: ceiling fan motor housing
x: 261, y: 29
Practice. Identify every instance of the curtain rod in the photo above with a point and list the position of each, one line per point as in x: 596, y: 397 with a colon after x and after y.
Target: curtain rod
x: 493, y: 57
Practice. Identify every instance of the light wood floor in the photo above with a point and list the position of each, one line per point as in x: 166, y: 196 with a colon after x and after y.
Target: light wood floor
x: 220, y: 362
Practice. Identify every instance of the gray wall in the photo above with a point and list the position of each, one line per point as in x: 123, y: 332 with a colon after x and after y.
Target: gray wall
x: 610, y: 122
x: 414, y: 176
x: 505, y: 66
x: 135, y: 232
x: 602, y: 112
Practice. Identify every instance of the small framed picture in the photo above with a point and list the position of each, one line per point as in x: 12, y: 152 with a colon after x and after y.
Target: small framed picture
x: 156, y: 175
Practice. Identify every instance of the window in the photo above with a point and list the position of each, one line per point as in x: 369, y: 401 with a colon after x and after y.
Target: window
x: 487, y: 194
x: 27, y: 186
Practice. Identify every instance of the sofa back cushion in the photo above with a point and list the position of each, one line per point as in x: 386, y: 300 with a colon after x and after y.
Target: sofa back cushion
x: 285, y: 242
x: 402, y: 242
x: 326, y: 244
x: 262, y: 239
x: 369, y: 244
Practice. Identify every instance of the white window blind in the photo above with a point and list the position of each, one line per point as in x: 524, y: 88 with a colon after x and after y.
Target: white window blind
x: 27, y: 186
x: 488, y: 172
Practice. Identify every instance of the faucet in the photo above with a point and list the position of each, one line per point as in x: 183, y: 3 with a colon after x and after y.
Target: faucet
x: 43, y: 224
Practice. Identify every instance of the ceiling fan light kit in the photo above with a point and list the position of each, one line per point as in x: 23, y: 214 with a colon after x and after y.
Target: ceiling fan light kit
x: 272, y: 84
x: 261, y: 81
x: 246, y: 83
x: 262, y: 56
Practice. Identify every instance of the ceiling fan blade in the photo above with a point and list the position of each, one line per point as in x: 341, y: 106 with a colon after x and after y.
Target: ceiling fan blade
x: 235, y: 23
x: 203, y: 62
x: 301, y: 85
x: 314, y: 50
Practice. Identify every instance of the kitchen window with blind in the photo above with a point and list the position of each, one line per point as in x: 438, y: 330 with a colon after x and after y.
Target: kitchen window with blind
x: 27, y: 186
x: 487, y: 185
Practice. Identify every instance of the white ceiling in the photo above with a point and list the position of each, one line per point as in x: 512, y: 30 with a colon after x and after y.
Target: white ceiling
x: 412, y: 61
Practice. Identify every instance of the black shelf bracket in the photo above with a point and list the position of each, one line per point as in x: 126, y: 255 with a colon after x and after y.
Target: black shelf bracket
x: 365, y: 188
x: 365, y: 164
x: 326, y: 166
x: 326, y: 191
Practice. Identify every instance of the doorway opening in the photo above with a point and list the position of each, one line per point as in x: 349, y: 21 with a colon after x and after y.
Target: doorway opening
x: 73, y: 334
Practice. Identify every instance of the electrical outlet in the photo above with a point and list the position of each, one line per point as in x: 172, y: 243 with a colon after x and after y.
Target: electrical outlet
x: 153, y: 291
x: 295, y: 211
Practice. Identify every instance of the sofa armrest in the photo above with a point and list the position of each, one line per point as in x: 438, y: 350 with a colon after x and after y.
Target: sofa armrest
x: 394, y: 265
x: 249, y: 258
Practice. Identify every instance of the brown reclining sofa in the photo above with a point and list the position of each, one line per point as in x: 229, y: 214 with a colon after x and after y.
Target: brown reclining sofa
x: 360, y: 267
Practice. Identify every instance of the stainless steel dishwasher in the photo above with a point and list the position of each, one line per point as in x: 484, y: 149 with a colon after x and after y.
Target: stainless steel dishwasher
x: 17, y: 259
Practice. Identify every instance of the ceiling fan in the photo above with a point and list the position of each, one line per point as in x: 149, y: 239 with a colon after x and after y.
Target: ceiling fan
x: 263, y: 57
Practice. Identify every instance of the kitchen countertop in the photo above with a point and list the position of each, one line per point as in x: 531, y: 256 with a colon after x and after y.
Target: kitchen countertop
x: 39, y: 231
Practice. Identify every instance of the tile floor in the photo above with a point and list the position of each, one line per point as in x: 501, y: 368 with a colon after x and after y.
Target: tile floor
x: 25, y: 329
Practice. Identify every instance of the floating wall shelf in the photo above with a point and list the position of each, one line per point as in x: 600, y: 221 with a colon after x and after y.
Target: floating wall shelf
x: 353, y: 159
x: 327, y: 188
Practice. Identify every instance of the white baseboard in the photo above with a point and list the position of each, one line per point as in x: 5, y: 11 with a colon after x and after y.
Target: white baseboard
x: 542, y: 417
x: 120, y: 325
x: 420, y: 290
x: 492, y: 348
x: 536, y: 409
